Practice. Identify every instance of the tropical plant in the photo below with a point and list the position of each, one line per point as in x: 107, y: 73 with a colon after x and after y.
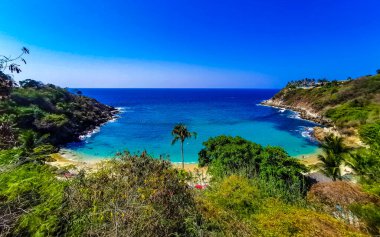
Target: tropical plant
x: 181, y: 133
x: 31, y: 201
x: 333, y: 157
x: 365, y: 163
x: 334, y: 144
x: 237, y: 206
x: 330, y: 165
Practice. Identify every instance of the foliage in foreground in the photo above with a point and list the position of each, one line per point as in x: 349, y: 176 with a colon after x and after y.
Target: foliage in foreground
x: 348, y: 201
x: 141, y: 196
x: 236, y: 206
x: 30, y: 201
x: 131, y: 196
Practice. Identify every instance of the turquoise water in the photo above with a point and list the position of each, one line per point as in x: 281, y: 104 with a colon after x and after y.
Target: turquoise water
x: 147, y: 117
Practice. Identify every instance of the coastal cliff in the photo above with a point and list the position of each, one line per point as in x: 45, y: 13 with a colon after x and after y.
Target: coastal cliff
x: 304, y: 108
x: 344, y: 107
x: 53, y: 114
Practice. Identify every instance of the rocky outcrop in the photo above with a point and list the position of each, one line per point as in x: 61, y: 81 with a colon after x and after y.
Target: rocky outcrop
x: 55, y: 114
x: 89, y: 115
x: 305, y: 111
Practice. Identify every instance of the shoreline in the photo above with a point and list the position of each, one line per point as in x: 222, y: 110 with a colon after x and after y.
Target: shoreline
x: 303, y: 112
x: 67, y: 158
x: 90, y: 132
x: 323, y: 128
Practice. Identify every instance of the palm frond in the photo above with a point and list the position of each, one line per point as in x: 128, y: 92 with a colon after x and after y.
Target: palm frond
x: 175, y: 139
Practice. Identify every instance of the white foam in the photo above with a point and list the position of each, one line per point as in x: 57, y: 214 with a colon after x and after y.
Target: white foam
x: 125, y: 109
x: 307, y: 132
x: 89, y: 134
x: 295, y: 115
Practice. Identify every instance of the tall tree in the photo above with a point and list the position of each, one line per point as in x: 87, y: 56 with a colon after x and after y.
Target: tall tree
x: 181, y: 133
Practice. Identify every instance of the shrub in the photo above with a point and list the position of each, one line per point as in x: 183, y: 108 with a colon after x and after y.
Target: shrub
x: 236, y: 194
x: 225, y: 155
x: 370, y: 214
x: 30, y: 201
x: 9, y: 156
x: 346, y: 201
x: 370, y: 133
x: 131, y: 196
x: 236, y: 206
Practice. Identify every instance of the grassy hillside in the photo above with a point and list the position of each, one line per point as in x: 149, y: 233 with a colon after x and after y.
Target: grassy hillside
x: 345, y: 104
x: 51, y: 113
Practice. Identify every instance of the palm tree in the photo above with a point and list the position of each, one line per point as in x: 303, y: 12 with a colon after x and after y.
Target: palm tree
x: 334, y: 144
x: 365, y: 163
x: 333, y: 158
x: 180, y: 133
x: 330, y: 165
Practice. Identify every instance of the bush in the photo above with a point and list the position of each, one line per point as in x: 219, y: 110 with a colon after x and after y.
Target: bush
x: 236, y: 206
x: 131, y: 196
x: 225, y: 155
x: 9, y: 156
x: 346, y: 201
x: 236, y: 194
x: 370, y: 214
x: 30, y: 201
x: 370, y: 133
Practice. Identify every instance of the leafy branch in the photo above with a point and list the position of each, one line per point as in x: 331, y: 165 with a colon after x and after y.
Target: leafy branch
x: 10, y: 63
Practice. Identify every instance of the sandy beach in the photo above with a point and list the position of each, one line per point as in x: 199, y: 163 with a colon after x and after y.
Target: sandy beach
x: 65, y: 159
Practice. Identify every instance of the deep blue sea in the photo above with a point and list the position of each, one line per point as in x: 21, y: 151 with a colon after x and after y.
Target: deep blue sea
x: 147, y: 117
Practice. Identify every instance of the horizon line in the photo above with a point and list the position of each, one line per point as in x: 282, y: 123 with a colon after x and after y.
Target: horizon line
x: 178, y: 88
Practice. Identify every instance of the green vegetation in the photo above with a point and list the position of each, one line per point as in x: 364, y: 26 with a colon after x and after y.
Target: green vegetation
x: 8, y: 63
x: 51, y: 112
x: 333, y: 157
x: 136, y: 195
x: 30, y: 201
x: 236, y: 206
x: 252, y: 190
x: 353, y: 106
x: 181, y: 133
x: 131, y: 196
x: 226, y: 155
x: 351, y: 103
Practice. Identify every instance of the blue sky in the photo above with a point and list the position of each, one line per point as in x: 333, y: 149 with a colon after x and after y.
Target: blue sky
x: 197, y: 43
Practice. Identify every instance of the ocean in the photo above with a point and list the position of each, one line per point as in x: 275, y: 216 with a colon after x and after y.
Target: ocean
x: 147, y: 117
